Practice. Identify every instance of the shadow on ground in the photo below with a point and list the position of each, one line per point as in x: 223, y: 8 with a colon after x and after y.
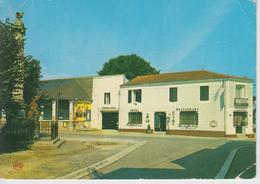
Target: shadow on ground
x: 204, y: 164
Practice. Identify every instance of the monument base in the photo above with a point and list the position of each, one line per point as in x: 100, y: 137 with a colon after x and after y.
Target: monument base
x: 47, y: 145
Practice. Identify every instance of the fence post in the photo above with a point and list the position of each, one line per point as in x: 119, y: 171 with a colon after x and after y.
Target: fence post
x: 71, y: 126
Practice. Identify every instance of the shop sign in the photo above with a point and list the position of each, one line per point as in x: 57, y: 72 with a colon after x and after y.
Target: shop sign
x: 188, y: 109
x: 109, y: 108
x: 134, y: 110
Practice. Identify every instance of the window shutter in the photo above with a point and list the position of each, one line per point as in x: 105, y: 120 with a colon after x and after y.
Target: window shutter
x: 140, y: 95
x: 129, y: 96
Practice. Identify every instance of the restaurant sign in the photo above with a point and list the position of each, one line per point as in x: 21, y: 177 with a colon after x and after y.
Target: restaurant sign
x: 188, y: 109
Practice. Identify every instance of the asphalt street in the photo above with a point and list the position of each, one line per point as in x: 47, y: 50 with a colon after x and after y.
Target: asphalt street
x: 166, y: 157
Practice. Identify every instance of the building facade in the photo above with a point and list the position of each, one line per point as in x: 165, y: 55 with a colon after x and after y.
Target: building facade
x: 200, y: 103
x: 83, y: 102
x: 188, y: 103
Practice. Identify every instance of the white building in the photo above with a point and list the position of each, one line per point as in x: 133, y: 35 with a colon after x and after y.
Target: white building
x: 199, y: 103
x: 83, y: 102
x: 105, y: 105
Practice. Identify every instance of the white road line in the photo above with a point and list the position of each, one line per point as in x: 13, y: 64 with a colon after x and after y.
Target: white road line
x: 223, y: 171
x: 94, y: 167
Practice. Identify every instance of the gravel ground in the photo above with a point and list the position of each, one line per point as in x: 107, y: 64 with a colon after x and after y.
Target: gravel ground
x: 42, y: 164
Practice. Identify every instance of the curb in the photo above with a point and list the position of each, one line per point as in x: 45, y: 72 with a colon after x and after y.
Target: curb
x: 224, y: 169
x: 96, y: 166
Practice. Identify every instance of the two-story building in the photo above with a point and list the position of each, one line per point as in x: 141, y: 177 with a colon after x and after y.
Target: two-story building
x: 82, y: 102
x: 200, y: 103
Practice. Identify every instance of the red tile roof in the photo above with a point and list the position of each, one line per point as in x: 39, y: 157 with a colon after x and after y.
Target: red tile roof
x: 181, y: 76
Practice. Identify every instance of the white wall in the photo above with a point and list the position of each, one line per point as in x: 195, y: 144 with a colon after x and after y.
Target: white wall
x: 156, y: 99
x: 105, y: 84
x: 230, y: 95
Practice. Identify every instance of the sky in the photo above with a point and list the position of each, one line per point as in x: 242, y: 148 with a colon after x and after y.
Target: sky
x: 75, y: 37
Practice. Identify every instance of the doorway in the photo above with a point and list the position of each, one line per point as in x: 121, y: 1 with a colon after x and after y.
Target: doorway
x: 160, y: 121
x: 110, y: 120
x: 240, y: 121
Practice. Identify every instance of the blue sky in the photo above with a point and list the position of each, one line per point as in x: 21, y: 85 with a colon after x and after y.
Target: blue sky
x: 75, y: 37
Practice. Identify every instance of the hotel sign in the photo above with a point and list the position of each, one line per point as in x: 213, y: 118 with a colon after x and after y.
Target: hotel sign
x: 134, y: 110
x: 188, y: 109
x: 241, y: 102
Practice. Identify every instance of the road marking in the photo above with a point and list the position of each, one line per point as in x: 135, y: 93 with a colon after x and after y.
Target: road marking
x: 96, y: 166
x: 223, y: 171
x: 238, y: 177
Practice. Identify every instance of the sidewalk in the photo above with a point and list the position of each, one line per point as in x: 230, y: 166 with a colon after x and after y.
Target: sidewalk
x: 153, y: 135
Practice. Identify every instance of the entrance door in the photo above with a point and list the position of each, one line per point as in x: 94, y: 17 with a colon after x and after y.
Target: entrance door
x: 110, y: 120
x: 160, y: 121
x: 240, y: 121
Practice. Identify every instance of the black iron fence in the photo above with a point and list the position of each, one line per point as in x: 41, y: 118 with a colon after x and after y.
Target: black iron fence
x: 48, y: 130
x: 15, y: 135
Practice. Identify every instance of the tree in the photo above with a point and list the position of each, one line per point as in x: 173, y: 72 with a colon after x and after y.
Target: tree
x: 130, y: 65
x: 31, y: 79
x: 10, y: 70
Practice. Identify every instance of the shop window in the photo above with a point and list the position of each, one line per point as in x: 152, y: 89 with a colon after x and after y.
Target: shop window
x: 204, y: 93
x: 107, y: 98
x: 189, y: 118
x: 63, y: 110
x: 135, y: 118
x: 240, y: 119
x: 173, y: 95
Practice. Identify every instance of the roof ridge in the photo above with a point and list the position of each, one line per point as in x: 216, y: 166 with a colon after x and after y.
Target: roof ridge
x: 182, y: 76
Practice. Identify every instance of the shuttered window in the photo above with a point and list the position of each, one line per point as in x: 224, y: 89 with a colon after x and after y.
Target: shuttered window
x: 173, y: 95
x: 204, y: 93
x: 138, y: 95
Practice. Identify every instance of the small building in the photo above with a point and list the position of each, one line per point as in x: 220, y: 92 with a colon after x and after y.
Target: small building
x: 200, y: 103
x: 82, y: 102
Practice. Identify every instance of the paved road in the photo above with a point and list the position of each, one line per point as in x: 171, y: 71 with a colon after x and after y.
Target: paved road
x: 167, y: 157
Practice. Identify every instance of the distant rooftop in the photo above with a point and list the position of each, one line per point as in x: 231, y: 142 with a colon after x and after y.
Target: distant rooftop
x: 79, y: 88
x: 181, y: 76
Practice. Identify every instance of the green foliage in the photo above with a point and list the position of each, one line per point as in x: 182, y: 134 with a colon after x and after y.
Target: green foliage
x: 130, y: 65
x: 32, y: 70
x: 11, y: 74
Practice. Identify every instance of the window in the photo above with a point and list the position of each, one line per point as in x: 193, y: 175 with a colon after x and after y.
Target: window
x: 47, y: 110
x: 240, y: 119
x: 189, y: 118
x: 129, y: 96
x: 137, y: 95
x: 173, y: 95
x: 204, y: 93
x: 240, y: 91
x: 135, y: 118
x: 63, y: 110
x: 107, y: 98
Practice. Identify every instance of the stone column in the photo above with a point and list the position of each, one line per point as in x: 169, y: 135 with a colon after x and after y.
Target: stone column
x: 54, y: 110
x: 71, y: 114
